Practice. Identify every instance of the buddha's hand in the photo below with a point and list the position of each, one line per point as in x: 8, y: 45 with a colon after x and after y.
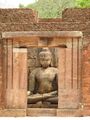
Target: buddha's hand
x: 29, y: 93
x: 54, y: 93
x: 51, y: 94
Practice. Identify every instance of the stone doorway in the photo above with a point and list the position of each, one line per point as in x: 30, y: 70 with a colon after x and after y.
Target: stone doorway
x: 14, y: 48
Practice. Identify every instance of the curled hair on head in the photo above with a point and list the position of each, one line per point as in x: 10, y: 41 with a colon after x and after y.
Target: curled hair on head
x: 45, y: 51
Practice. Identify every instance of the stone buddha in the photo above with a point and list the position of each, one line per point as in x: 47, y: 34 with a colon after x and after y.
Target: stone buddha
x: 43, y: 81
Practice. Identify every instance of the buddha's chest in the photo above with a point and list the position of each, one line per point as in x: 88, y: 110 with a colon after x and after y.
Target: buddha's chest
x: 45, y: 75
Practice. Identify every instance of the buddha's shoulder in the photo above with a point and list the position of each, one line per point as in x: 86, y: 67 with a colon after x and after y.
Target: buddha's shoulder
x: 35, y: 70
x: 54, y: 69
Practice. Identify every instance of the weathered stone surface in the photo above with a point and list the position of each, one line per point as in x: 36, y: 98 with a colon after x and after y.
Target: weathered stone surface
x: 73, y: 20
x: 17, y: 86
x: 41, y: 112
x: 13, y: 113
x: 60, y: 26
x: 86, y: 76
x: 69, y: 113
x: 17, y: 16
x: 76, y: 14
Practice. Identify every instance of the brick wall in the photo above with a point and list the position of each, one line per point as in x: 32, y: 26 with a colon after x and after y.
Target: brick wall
x: 17, y: 16
x: 44, y: 26
x: 1, y: 78
x: 72, y: 20
x: 26, y: 20
x: 86, y: 76
x: 74, y: 15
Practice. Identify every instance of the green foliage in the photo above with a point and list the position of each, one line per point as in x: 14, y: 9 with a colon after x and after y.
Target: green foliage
x: 21, y: 5
x: 83, y: 3
x: 54, y: 8
x: 50, y: 8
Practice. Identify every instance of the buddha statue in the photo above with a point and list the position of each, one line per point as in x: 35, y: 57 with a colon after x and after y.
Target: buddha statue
x: 43, y: 81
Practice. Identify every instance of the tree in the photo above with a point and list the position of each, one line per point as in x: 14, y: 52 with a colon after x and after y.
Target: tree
x: 83, y: 3
x: 54, y: 8
x: 50, y: 8
x: 21, y: 5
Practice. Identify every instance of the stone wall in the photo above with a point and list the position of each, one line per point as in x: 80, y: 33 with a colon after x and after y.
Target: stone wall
x: 76, y: 15
x: 17, y: 16
x: 86, y: 76
x: 27, y: 20
x: 72, y: 20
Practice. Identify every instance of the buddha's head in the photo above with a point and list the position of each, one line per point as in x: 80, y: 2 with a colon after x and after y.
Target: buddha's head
x: 45, y: 57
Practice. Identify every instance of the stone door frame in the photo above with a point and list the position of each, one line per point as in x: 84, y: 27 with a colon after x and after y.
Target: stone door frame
x: 54, y: 39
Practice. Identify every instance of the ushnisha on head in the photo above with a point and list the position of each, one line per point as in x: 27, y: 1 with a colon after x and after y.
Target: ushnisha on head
x: 45, y: 58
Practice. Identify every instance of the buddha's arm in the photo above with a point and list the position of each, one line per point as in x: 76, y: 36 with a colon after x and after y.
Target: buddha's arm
x: 38, y: 97
x: 57, y: 81
x: 56, y: 78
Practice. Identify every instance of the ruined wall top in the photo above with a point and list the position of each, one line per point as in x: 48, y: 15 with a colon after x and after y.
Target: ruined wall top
x: 76, y: 14
x: 18, y: 15
x: 28, y: 16
x: 28, y: 20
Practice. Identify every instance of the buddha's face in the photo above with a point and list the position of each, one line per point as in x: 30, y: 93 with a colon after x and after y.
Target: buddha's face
x: 45, y: 61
